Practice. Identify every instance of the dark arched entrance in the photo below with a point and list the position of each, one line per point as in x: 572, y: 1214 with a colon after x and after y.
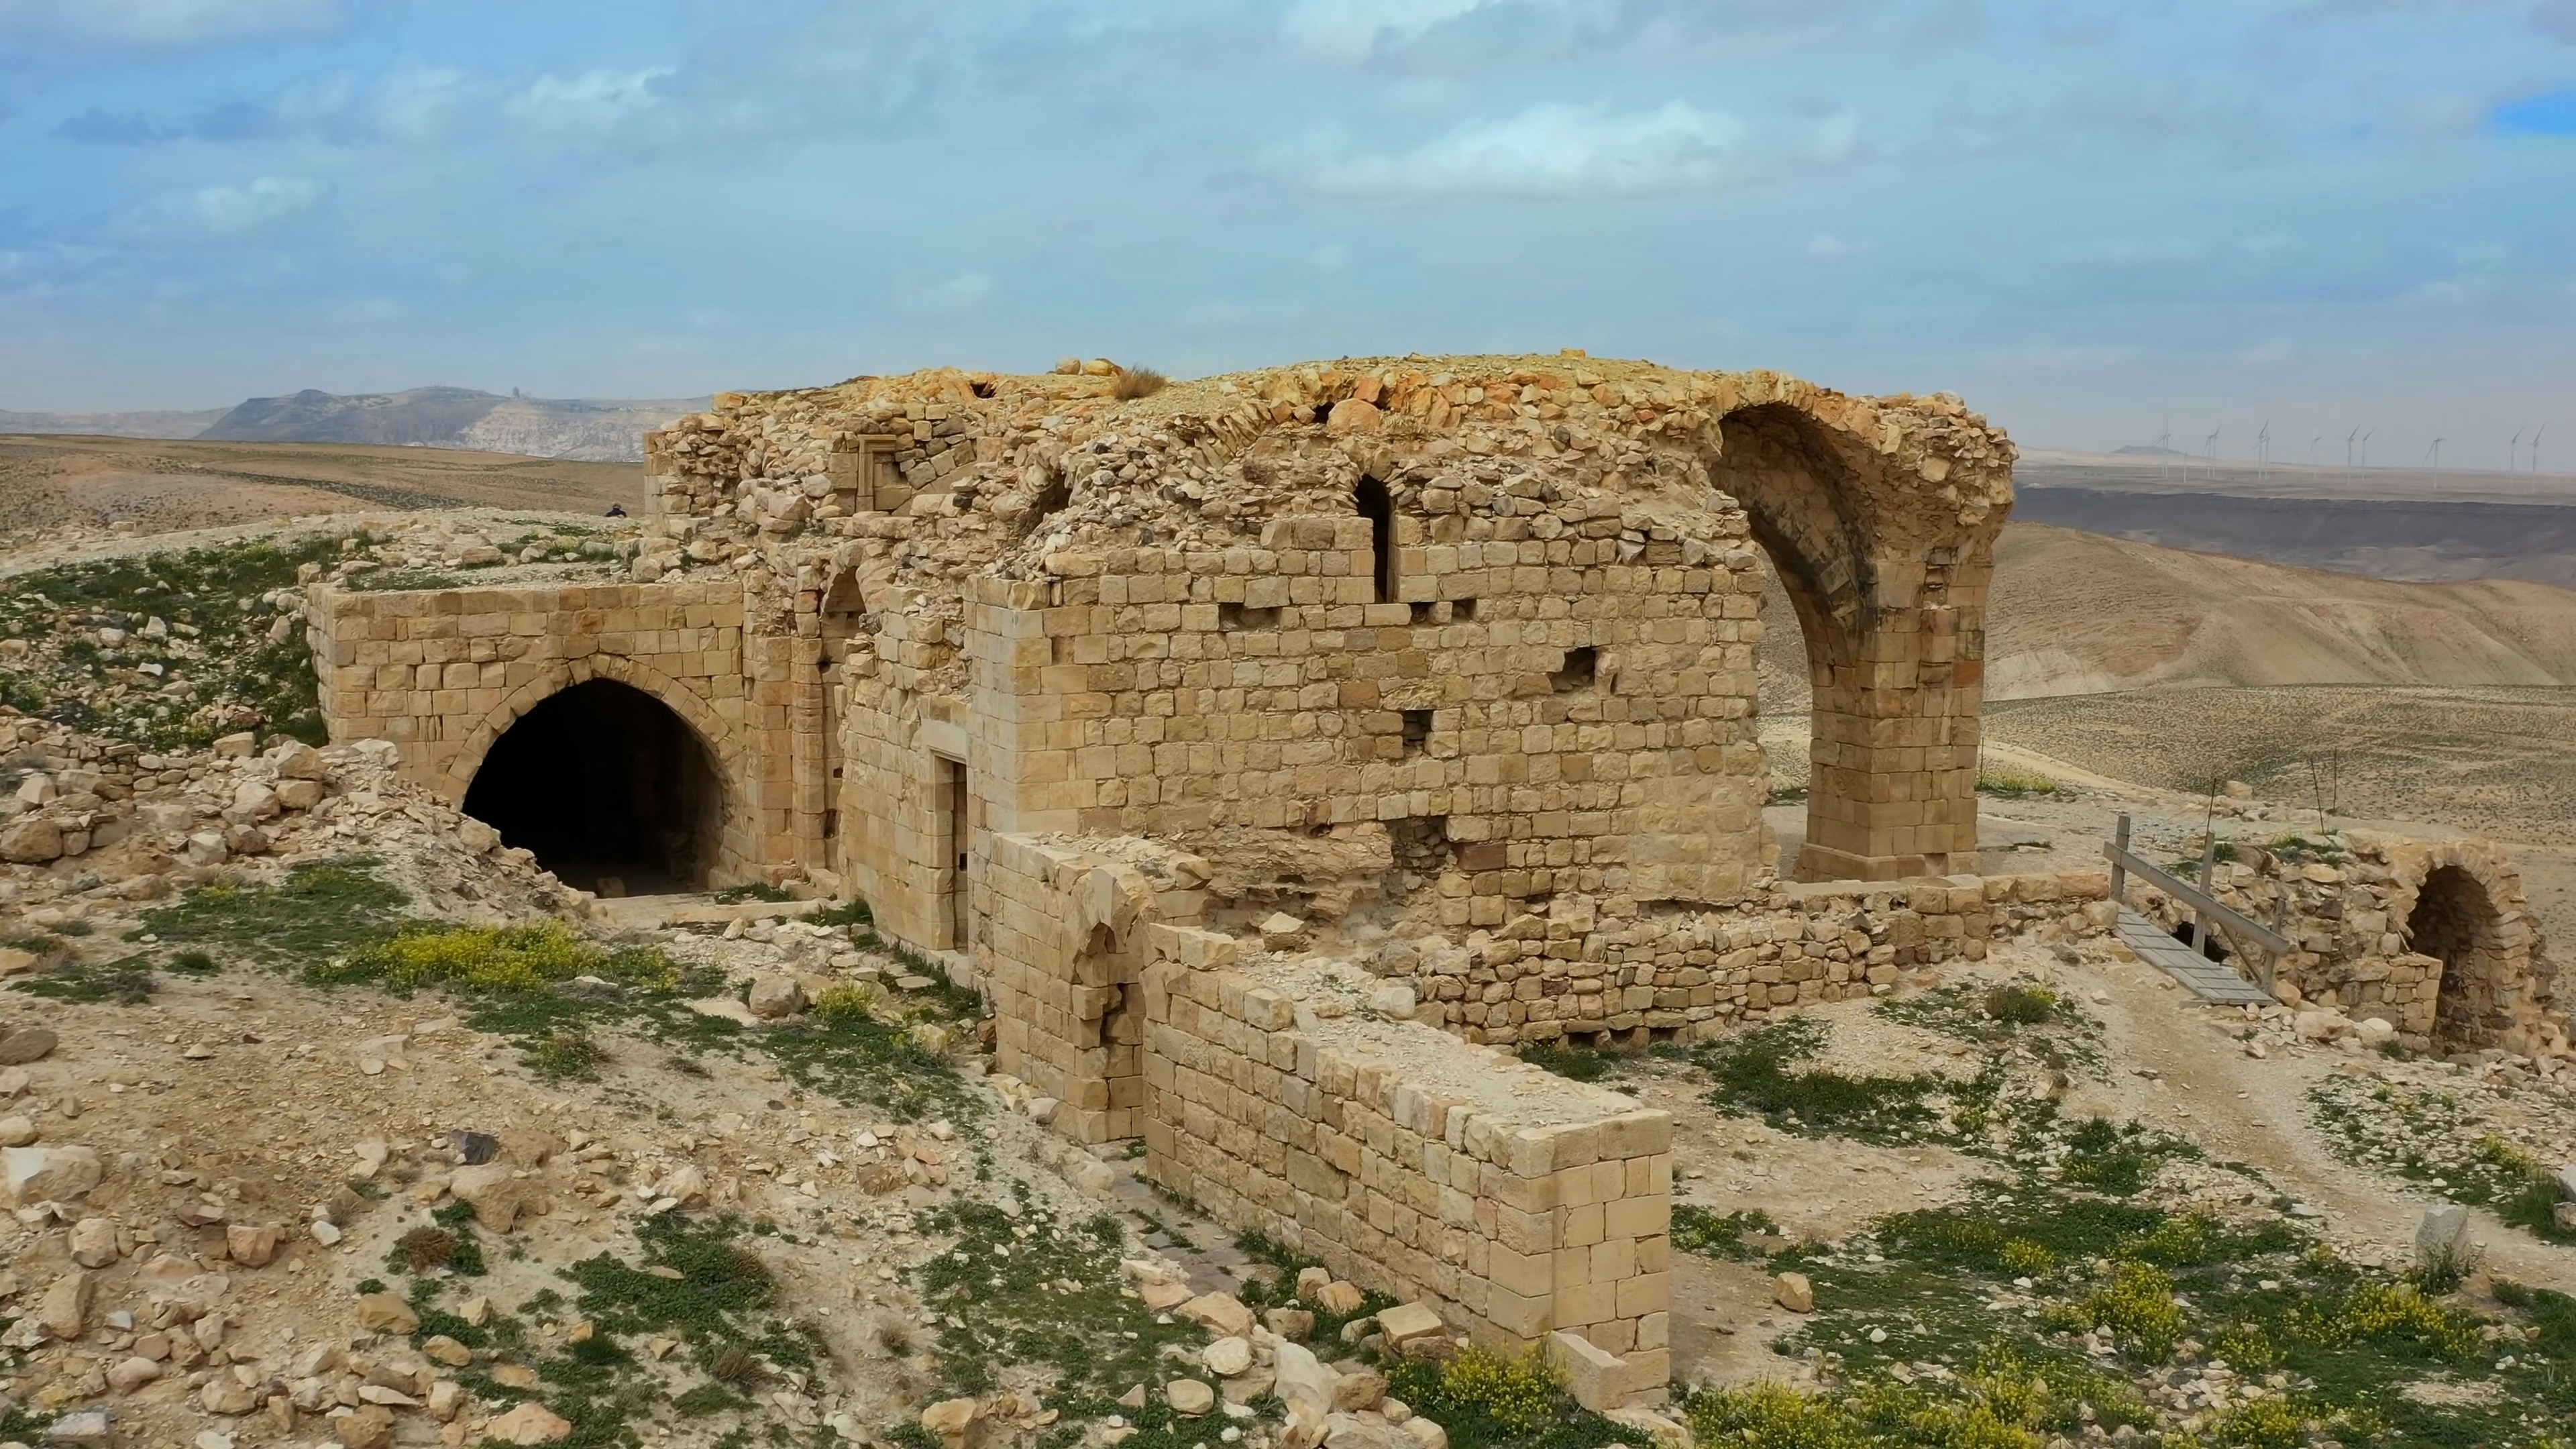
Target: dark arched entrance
x: 607, y: 787
x: 2455, y: 922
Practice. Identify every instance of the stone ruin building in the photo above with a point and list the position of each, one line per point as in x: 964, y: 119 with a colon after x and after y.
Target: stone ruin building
x: 1272, y: 749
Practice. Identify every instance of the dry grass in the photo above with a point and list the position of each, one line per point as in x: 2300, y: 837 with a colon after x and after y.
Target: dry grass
x: 1129, y: 383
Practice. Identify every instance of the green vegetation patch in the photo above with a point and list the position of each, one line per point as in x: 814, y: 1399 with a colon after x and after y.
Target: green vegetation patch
x: 2444, y: 1141
x: 559, y: 995
x: 126, y: 982
x: 318, y: 911
x: 2021, y: 1012
x: 1487, y: 1400
x: 213, y: 670
x: 1041, y: 1289
x: 1726, y: 1235
x: 1576, y: 1063
x: 2005, y: 782
x: 1759, y: 1073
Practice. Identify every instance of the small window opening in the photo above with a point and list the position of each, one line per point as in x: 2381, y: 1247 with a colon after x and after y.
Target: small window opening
x: 1580, y: 668
x: 1423, y: 612
x: 1051, y: 499
x: 1244, y: 616
x: 980, y: 389
x: 1378, y: 507
x: 1462, y: 610
x: 1417, y: 731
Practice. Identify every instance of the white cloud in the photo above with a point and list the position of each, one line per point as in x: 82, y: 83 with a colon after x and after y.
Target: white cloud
x: 166, y: 24
x: 588, y: 106
x: 255, y: 205
x: 2128, y: 253
x: 1349, y: 30
x: 416, y: 105
x: 1826, y: 244
x: 1552, y: 151
x: 1330, y: 257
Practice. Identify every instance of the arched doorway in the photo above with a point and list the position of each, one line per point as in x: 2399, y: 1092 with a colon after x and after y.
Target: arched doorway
x: 609, y: 788
x: 2455, y: 922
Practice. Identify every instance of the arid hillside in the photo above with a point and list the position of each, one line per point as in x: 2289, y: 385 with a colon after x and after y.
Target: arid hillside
x: 50, y: 483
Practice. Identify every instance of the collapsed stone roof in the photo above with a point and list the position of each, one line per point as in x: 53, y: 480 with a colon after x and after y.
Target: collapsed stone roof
x: 1021, y: 476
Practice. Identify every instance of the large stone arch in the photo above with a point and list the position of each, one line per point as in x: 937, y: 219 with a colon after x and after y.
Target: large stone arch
x: 1886, y: 553
x: 732, y: 846
x: 713, y: 730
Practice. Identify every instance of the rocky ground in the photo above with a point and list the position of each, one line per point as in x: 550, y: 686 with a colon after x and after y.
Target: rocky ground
x: 329, y: 1121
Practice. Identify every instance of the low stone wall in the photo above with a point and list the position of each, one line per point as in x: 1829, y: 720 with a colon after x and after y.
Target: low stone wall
x: 1615, y: 969
x: 1520, y: 1202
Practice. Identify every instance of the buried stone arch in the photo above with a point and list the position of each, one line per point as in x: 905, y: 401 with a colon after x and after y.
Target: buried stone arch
x: 1886, y: 558
x: 2455, y: 921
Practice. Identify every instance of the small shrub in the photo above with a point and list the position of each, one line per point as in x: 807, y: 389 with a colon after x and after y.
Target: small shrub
x: 1697, y: 1230
x: 735, y: 1365
x: 846, y: 1003
x: 497, y: 960
x: 2136, y: 1307
x: 1130, y: 383
x: 565, y: 1052
x: 2021, y: 1003
x: 1774, y: 1415
x: 423, y: 1250
x: 194, y: 963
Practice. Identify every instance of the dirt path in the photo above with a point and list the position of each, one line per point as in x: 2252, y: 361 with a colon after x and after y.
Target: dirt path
x: 2243, y: 1110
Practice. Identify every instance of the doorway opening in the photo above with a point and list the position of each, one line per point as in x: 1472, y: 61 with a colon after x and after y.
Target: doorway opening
x: 956, y: 834
x: 608, y: 788
x: 2456, y: 923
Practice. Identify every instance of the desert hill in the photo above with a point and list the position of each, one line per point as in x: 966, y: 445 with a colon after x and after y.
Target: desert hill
x: 588, y: 429
x: 2082, y: 613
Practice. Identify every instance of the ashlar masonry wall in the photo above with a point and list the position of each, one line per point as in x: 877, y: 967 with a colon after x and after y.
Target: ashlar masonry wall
x: 442, y: 673
x: 1402, y: 1157
x: 1521, y: 1202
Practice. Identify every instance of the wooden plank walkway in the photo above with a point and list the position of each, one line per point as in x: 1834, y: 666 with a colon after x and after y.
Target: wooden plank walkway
x: 2212, y: 981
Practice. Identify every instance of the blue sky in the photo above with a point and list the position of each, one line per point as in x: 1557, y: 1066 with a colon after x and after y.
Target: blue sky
x: 2086, y: 216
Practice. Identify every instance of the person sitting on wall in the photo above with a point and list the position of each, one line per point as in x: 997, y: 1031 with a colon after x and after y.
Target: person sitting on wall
x: 617, y: 510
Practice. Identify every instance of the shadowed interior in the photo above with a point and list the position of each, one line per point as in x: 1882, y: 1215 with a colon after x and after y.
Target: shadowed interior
x: 608, y: 787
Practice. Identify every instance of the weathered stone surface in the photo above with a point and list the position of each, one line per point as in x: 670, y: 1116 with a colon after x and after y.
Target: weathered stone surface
x: 1189, y: 1397
x: 530, y: 1423
x: 1793, y: 1292
x: 1223, y: 1313
x: 386, y: 1313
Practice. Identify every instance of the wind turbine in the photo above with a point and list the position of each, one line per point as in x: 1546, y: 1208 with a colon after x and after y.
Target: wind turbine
x: 2535, y: 447
x: 2513, y: 452
x: 2347, y: 453
x: 2365, y: 450
x: 2312, y: 448
x: 2211, y: 445
x: 2435, y: 453
x: 2262, y: 450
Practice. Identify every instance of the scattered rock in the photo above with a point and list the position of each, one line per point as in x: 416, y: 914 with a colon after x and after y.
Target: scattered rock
x: 494, y: 1190
x: 1228, y: 1357
x: 950, y: 1421
x: 1223, y: 1313
x: 775, y: 998
x: 447, y: 1351
x: 1340, y: 1296
x: 370, y: 1426
x: 95, y: 1242
x: 2442, y: 1239
x: 386, y: 1313
x: 25, y: 1044
x: 2376, y: 1031
x: 1408, y: 1321
x: 1359, y: 1391
x: 1293, y: 1324
x: 1793, y: 1292
x: 132, y: 1373
x: 65, y: 1309
x: 252, y: 1247
x: 1189, y: 1397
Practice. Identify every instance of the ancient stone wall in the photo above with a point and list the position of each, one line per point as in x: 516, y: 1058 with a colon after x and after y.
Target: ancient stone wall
x: 1520, y: 1202
x: 1614, y: 972
x: 442, y: 673
x: 2434, y: 936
